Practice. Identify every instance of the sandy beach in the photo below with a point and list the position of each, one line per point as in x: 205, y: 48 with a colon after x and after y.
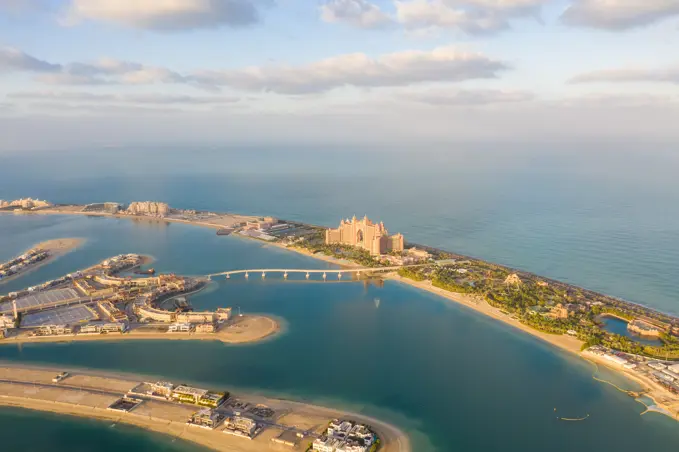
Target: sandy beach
x: 88, y: 394
x: 564, y: 342
x: 56, y: 248
x: 245, y: 329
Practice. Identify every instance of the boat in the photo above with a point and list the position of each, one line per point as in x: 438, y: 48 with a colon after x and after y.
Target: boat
x: 150, y: 271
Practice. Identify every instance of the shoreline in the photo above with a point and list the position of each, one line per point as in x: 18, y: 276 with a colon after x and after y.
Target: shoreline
x: 476, y: 303
x: 564, y: 342
x: 259, y: 328
x: 87, y: 394
x: 56, y: 247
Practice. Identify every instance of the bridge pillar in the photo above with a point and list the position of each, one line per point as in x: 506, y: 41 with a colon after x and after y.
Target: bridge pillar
x: 228, y: 276
x: 339, y: 275
x: 247, y: 275
x: 307, y: 275
x: 324, y: 275
x: 263, y: 275
x: 285, y: 275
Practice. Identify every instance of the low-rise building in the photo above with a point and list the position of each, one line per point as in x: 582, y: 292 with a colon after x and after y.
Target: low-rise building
x: 241, y: 424
x: 112, y: 312
x: 205, y: 328
x: 206, y: 418
x: 644, y: 328
x: 180, y: 328
x: 53, y: 330
x: 145, y: 312
x: 6, y: 321
x: 162, y: 388
x: 197, y: 396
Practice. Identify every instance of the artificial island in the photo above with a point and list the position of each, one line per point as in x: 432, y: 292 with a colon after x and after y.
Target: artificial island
x: 570, y: 317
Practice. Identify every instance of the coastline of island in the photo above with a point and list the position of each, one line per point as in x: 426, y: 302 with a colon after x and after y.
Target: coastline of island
x: 135, y: 400
x: 245, y: 329
x: 53, y: 248
x: 665, y: 396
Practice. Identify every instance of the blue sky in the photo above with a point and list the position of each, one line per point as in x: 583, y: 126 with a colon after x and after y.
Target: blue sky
x: 121, y: 72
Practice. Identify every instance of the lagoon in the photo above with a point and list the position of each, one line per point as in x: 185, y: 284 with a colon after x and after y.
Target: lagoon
x: 452, y: 379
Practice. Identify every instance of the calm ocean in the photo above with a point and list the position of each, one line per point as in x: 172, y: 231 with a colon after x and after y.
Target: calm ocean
x: 456, y: 381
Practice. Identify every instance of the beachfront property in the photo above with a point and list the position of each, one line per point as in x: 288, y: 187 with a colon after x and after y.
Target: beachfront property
x: 206, y: 418
x: 345, y: 436
x: 372, y: 237
x: 206, y: 328
x: 161, y: 388
x: 20, y: 263
x: 53, y: 330
x: 180, y: 328
x: 197, y: 396
x: 241, y: 426
x: 104, y: 328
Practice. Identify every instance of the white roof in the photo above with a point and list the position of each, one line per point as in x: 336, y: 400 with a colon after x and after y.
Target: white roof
x: 189, y: 390
x: 674, y: 368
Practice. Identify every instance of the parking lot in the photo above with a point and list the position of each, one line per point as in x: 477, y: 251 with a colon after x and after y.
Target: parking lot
x: 59, y: 316
x: 40, y: 298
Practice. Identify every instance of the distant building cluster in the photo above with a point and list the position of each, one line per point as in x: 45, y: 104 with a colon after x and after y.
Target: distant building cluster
x: 18, y: 263
x: 24, y: 203
x: 372, y: 237
x: 151, y: 208
x: 345, y: 436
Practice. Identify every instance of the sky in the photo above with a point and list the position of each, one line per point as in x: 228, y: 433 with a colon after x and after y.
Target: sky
x: 108, y: 73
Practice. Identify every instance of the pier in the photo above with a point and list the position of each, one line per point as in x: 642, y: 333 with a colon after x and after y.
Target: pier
x: 325, y: 273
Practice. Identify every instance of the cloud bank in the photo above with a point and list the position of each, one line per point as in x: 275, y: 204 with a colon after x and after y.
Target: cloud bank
x: 442, y: 64
x: 358, y: 13
x: 617, y: 15
x: 663, y: 75
x: 168, y: 15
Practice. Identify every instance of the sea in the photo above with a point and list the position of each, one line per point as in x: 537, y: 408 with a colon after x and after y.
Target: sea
x: 605, y: 218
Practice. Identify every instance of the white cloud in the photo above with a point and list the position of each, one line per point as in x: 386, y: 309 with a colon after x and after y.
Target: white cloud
x: 358, y: 13
x: 103, y: 72
x: 475, y: 17
x: 169, y: 15
x: 467, y: 98
x: 151, y: 98
x: 12, y: 60
x: 619, y: 14
x: 442, y: 64
x: 445, y: 64
x: 662, y: 75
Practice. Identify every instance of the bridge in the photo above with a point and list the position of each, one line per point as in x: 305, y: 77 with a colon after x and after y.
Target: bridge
x: 325, y: 272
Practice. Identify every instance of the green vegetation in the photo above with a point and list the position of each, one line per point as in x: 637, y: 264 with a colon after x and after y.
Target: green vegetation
x: 411, y: 274
x: 316, y: 244
x: 532, y: 301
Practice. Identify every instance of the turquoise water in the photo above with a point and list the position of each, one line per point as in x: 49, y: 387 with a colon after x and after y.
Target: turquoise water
x: 619, y: 326
x: 29, y: 431
x: 456, y: 381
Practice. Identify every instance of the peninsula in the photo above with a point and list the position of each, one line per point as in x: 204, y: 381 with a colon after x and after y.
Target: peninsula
x: 37, y: 256
x: 100, y: 303
x: 215, y: 419
x: 570, y: 317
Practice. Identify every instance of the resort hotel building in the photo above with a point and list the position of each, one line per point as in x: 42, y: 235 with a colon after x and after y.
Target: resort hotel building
x: 365, y: 234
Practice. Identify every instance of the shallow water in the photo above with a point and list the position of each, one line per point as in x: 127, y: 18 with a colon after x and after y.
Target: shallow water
x: 455, y: 380
x: 443, y: 373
